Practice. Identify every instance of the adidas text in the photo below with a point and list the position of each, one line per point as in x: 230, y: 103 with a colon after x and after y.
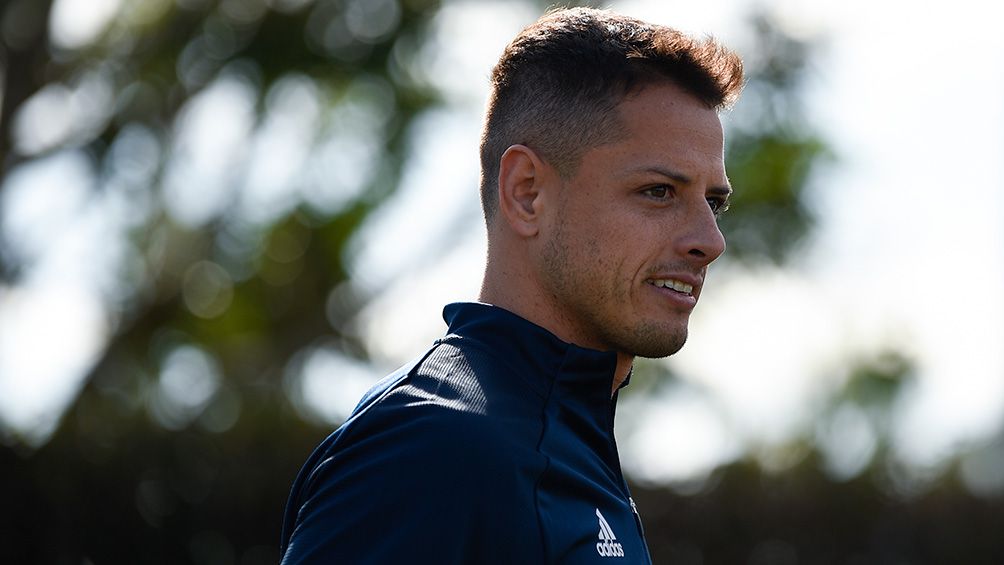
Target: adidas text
x: 608, y: 546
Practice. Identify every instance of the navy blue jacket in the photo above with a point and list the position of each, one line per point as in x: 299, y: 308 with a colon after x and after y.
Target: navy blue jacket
x: 496, y: 446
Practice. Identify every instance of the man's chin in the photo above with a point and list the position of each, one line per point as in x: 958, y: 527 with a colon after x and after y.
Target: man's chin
x: 656, y: 345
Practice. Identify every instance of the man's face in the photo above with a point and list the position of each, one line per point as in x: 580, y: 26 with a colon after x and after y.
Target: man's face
x: 624, y: 255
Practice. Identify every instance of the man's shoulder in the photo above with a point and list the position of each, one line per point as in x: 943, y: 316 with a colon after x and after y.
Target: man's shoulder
x: 423, y: 453
x: 422, y: 417
x: 447, y: 403
x: 454, y: 380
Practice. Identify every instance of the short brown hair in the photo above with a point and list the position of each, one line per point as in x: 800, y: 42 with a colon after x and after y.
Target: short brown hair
x: 557, y: 85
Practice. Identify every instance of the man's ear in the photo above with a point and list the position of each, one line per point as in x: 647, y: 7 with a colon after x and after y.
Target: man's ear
x: 522, y: 176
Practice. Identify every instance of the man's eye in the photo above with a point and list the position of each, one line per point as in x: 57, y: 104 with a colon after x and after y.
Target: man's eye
x: 660, y: 192
x: 718, y: 205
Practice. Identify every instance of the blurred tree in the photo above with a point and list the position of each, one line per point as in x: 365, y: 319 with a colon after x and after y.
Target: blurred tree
x: 289, y: 118
x: 236, y: 146
x: 232, y: 248
x: 803, y: 516
x: 772, y: 148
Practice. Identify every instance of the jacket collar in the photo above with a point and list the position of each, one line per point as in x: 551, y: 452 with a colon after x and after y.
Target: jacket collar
x: 547, y: 362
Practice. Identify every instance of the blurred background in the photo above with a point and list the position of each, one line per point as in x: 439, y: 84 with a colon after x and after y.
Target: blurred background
x: 222, y: 220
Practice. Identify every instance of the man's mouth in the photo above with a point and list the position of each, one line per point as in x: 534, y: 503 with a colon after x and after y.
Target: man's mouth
x: 672, y: 284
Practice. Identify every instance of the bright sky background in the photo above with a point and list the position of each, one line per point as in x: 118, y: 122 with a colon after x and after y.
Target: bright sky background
x: 909, y: 251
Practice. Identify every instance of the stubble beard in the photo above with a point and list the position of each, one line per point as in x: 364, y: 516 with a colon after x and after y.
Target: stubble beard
x: 657, y: 342
x: 584, y: 290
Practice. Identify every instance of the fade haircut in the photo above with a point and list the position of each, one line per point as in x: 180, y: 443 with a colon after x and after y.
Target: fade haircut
x: 557, y: 85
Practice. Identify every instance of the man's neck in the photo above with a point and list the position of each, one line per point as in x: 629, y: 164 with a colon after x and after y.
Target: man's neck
x: 515, y: 290
x: 624, y: 362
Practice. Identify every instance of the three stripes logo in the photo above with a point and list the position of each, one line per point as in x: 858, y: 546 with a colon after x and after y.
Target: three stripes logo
x: 608, y: 545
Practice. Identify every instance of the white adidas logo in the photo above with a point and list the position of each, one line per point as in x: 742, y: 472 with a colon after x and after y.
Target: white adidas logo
x: 608, y: 545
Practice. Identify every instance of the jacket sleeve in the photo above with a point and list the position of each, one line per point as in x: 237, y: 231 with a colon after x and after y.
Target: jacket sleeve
x: 441, y: 488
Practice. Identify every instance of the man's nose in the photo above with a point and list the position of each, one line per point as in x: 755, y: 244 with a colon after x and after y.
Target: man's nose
x: 703, y: 241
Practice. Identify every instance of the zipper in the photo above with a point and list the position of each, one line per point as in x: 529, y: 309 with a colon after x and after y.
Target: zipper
x: 641, y: 529
x: 637, y: 517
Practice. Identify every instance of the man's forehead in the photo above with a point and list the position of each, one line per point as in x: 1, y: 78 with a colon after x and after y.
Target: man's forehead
x: 672, y: 109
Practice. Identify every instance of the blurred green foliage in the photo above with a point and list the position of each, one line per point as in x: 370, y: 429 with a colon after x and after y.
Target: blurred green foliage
x: 150, y: 466
x: 772, y: 149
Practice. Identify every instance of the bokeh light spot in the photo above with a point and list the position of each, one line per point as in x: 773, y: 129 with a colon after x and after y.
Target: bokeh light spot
x: 74, y: 24
x: 188, y: 379
x: 207, y: 289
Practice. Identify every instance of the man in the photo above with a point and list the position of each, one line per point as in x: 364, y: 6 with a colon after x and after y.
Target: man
x: 602, y: 179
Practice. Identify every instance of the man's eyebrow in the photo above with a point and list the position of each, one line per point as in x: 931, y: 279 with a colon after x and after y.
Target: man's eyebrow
x: 724, y: 191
